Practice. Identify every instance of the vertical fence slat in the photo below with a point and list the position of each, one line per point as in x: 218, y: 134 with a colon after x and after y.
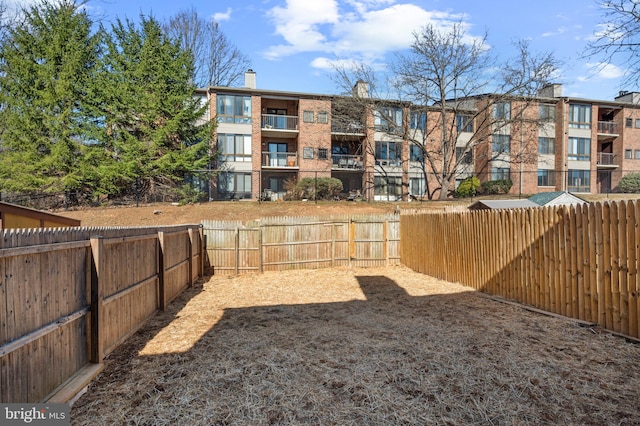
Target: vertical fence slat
x: 633, y: 231
x: 623, y: 279
x: 615, y: 266
x: 96, y: 339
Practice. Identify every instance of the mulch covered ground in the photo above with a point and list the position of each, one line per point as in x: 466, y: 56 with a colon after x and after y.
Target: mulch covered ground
x: 381, y: 346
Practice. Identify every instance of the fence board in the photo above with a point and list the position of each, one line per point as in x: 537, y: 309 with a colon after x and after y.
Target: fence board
x: 633, y: 230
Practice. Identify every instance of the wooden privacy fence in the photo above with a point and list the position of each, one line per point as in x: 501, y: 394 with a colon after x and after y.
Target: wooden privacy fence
x: 580, y: 262
x: 283, y: 243
x: 70, y: 296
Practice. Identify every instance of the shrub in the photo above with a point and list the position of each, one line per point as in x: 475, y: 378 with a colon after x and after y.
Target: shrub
x: 496, y: 187
x: 630, y: 183
x: 468, y: 187
x: 320, y: 189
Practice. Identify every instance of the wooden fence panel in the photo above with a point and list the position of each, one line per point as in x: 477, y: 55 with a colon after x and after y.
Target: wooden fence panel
x: 69, y: 300
x: 44, y: 319
x: 282, y: 243
x: 581, y: 262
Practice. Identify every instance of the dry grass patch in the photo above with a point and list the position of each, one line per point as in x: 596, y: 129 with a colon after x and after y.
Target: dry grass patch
x: 360, y: 346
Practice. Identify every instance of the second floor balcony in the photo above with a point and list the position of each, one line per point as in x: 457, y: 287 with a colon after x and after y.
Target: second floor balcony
x: 279, y: 122
x: 606, y: 160
x: 607, y: 128
x: 280, y: 160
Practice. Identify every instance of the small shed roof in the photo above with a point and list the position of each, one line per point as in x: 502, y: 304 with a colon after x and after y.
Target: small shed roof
x: 502, y: 204
x: 557, y: 198
x: 15, y: 216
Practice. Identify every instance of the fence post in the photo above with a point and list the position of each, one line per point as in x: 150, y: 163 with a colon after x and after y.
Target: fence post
x: 202, y: 247
x: 237, y: 249
x: 96, y: 349
x: 162, y: 293
x: 190, y: 254
x: 385, y: 243
x: 261, y: 253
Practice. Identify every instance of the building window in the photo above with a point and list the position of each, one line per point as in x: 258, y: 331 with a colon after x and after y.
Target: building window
x: 418, y: 120
x: 388, y: 119
x: 388, y: 152
x: 546, y: 145
x: 500, y: 143
x: 307, y: 116
x: 579, y: 181
x: 234, y: 185
x: 636, y: 154
x: 463, y: 156
x: 307, y: 153
x: 546, y: 177
x: 417, y: 186
x: 579, y: 116
x: 234, y: 147
x: 628, y: 122
x: 323, y: 153
x: 579, y: 149
x: 323, y: 117
x: 547, y: 112
x: 234, y: 109
x: 464, y: 123
x: 502, y: 111
x: 389, y: 186
x: 500, y: 173
x: 416, y: 153
x: 637, y: 123
x: 627, y: 154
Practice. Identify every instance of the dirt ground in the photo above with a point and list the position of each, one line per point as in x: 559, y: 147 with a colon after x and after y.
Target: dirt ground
x: 169, y: 214
x: 380, y: 346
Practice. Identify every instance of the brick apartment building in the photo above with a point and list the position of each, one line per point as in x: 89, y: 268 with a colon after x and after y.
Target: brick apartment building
x: 266, y: 138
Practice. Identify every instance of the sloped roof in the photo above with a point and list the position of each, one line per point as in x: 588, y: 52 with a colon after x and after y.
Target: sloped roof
x: 556, y: 198
x: 502, y: 204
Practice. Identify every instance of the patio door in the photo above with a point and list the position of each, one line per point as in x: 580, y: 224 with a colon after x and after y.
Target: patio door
x: 277, y: 154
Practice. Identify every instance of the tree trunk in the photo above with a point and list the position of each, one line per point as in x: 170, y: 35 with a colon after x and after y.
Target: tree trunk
x: 444, y: 190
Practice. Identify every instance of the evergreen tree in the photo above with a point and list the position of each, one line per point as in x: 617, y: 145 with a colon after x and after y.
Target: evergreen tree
x: 47, y: 121
x: 154, y: 132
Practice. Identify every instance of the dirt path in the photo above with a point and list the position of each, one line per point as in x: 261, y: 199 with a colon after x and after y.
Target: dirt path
x: 360, y: 346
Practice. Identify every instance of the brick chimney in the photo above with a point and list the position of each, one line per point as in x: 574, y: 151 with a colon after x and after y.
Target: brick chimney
x: 250, y: 79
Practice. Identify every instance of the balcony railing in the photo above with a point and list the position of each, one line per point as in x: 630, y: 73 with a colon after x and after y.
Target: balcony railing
x: 347, y: 162
x: 606, y: 159
x: 281, y: 160
x: 349, y: 127
x: 279, y: 122
x: 608, y: 127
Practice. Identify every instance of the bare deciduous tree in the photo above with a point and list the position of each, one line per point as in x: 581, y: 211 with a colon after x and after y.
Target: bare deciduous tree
x: 618, y: 37
x: 452, y: 84
x: 217, y: 62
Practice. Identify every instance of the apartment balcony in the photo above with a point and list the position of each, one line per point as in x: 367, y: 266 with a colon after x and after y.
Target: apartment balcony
x: 347, y: 127
x: 283, y: 126
x: 280, y: 160
x: 346, y: 162
x: 606, y: 160
x: 607, y: 129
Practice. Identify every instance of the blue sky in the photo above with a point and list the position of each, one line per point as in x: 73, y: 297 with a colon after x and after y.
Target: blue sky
x: 292, y: 42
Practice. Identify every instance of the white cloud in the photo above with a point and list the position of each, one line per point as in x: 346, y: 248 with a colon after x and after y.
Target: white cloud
x: 559, y: 31
x: 365, y: 29
x: 606, y: 71
x: 222, y: 16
